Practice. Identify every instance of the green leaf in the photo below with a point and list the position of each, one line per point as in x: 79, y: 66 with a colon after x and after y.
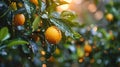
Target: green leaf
x: 80, y: 52
x: 50, y: 9
x: 97, y: 55
x: 25, y: 49
x: 59, y: 2
x: 76, y: 35
x: 68, y: 15
x: 66, y: 46
x: 4, y: 34
x: 49, y: 3
x: 39, y: 2
x: 36, y: 23
x: 17, y: 42
x: 27, y: 7
x: 71, y: 18
x: 43, y: 6
x: 62, y: 26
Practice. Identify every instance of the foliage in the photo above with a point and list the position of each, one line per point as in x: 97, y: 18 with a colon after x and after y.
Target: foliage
x: 17, y: 44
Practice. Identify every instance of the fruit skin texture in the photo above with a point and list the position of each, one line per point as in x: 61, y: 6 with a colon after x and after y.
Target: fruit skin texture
x: 19, y: 19
x: 109, y: 17
x: 53, y: 35
x: 87, y: 48
x: 34, y: 2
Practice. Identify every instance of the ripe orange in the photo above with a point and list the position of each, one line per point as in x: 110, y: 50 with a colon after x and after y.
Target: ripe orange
x: 109, y: 17
x: 53, y: 35
x: 87, y: 48
x: 19, y: 19
x: 34, y: 2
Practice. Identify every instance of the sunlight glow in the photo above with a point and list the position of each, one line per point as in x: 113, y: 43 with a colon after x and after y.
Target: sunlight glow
x: 63, y: 7
x: 95, y: 28
x: 98, y: 15
x: 92, y: 7
x: 69, y: 1
x: 77, y: 1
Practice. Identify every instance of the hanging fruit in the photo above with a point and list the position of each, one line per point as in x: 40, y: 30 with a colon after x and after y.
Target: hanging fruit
x: 109, y: 17
x: 53, y: 35
x: 88, y: 48
x: 19, y: 19
x: 34, y: 2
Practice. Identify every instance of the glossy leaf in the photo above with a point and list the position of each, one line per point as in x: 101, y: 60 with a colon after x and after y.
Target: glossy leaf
x: 43, y: 6
x: 27, y: 7
x: 3, y: 9
x: 70, y: 18
x: 17, y: 42
x: 51, y: 9
x: 68, y: 15
x: 62, y: 26
x: 36, y: 23
x: 76, y: 35
x: 25, y: 49
x: 4, y: 34
x: 34, y: 47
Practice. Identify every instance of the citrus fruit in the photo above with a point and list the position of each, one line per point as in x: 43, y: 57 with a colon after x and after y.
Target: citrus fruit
x: 19, y: 19
x: 34, y: 2
x: 87, y: 48
x: 53, y: 35
x: 109, y: 17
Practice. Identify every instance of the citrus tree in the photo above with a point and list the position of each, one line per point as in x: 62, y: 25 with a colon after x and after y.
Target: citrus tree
x: 31, y: 29
x: 36, y: 33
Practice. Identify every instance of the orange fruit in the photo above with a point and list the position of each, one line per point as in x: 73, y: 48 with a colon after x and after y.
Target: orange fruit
x: 81, y: 60
x: 109, y: 17
x: 34, y: 2
x: 19, y: 19
x: 44, y: 65
x: 53, y: 35
x: 87, y: 48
